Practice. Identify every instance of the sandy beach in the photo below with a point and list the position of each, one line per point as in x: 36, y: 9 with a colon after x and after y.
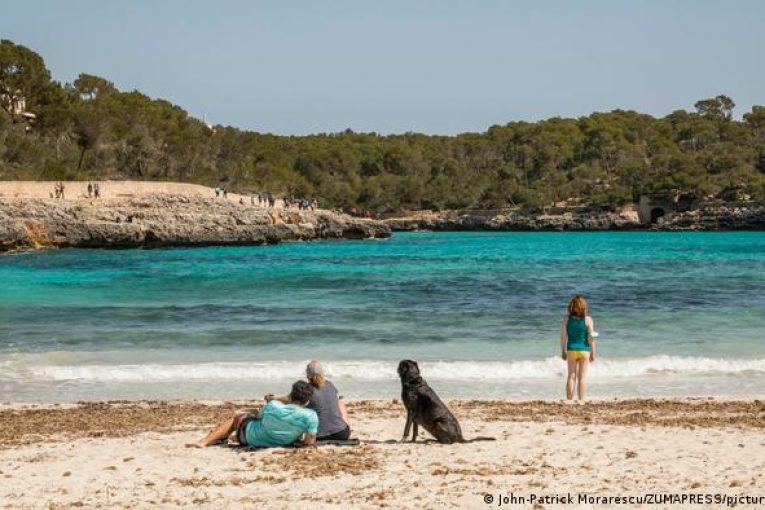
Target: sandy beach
x: 132, y: 455
x: 111, y: 190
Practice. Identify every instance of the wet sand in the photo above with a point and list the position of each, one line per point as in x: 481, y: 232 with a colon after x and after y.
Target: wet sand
x: 132, y: 454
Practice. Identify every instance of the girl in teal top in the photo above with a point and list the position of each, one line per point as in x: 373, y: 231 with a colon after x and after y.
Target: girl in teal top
x: 577, y: 344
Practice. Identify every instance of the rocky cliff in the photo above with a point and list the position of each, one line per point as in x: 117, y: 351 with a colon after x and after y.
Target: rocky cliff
x: 518, y: 221
x: 717, y: 216
x: 166, y: 220
x: 706, y: 217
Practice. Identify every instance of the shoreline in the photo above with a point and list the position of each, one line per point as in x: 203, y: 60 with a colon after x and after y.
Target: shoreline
x: 142, y: 214
x: 132, y: 455
x: 155, y: 219
x: 707, y: 217
x: 20, y: 249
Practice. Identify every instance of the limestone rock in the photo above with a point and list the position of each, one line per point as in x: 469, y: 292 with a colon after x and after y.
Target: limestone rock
x: 166, y: 220
x: 744, y: 216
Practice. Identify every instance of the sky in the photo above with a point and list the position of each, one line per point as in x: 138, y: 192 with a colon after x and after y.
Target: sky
x: 439, y: 67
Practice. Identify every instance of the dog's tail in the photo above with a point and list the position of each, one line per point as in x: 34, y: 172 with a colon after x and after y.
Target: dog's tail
x: 479, y: 438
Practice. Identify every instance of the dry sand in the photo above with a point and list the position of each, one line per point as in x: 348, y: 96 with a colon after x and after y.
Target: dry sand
x: 132, y: 455
x: 112, y: 190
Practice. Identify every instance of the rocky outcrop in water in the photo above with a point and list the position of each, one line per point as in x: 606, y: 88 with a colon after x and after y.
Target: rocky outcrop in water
x: 708, y: 216
x: 718, y: 216
x: 518, y: 221
x: 166, y: 220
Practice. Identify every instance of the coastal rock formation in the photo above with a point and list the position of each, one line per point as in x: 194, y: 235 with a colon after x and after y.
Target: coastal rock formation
x: 158, y: 220
x: 717, y: 216
x: 707, y: 216
x: 518, y: 221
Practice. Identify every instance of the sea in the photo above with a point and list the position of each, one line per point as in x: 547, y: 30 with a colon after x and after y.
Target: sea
x: 678, y: 314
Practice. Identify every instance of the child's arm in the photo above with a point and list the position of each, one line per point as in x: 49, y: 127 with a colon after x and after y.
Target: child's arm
x: 563, y: 338
x: 591, y: 337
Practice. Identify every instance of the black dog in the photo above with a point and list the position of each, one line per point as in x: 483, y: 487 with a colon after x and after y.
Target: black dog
x: 423, y: 407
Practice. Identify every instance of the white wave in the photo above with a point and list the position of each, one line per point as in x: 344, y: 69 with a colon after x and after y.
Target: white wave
x: 386, y: 370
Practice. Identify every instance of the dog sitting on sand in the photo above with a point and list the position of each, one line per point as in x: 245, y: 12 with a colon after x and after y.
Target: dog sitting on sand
x: 423, y: 407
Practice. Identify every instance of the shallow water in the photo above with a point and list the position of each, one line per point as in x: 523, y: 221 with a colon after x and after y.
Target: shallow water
x: 678, y: 313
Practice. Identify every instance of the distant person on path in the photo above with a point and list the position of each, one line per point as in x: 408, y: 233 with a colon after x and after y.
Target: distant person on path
x: 96, y: 190
x: 326, y: 401
x: 577, y: 344
x: 217, y: 192
x: 225, y: 193
x: 61, y: 188
x: 276, y: 424
x: 90, y: 190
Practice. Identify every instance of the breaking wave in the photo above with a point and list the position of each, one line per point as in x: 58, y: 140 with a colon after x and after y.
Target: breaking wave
x: 376, y: 370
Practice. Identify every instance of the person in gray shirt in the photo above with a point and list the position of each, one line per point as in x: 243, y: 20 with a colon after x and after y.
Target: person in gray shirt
x: 328, y: 404
x: 333, y: 416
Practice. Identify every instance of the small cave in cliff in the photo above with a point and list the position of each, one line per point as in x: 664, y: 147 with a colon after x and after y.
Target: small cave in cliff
x: 656, y: 213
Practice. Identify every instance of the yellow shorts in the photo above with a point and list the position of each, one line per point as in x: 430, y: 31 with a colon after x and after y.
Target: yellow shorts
x: 578, y: 355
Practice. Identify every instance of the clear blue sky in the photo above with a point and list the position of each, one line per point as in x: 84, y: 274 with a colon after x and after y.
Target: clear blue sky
x: 443, y: 67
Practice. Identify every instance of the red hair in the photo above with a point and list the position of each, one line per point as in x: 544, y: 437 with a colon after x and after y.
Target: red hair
x: 577, y: 307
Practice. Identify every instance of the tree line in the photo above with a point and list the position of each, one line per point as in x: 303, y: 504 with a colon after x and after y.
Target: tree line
x: 90, y: 130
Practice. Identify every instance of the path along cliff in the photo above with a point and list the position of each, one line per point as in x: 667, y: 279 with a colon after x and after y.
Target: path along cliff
x: 148, y: 216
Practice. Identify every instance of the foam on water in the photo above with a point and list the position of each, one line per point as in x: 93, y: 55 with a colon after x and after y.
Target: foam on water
x: 683, y: 312
x: 376, y: 370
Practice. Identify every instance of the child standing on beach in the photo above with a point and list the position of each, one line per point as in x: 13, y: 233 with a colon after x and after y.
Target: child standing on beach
x: 577, y: 345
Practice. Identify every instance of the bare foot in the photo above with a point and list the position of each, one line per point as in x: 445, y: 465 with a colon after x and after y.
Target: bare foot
x: 198, y: 444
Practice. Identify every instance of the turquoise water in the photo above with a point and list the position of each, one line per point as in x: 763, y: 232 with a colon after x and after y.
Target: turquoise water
x: 677, y: 313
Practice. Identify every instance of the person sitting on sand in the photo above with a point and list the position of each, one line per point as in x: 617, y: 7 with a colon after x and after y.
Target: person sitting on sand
x: 325, y: 400
x: 328, y: 404
x: 577, y: 344
x: 276, y: 424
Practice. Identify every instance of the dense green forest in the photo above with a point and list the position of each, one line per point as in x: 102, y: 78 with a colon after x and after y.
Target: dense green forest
x: 90, y: 130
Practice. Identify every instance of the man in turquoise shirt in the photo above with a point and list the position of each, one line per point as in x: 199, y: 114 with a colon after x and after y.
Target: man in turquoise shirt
x: 276, y: 424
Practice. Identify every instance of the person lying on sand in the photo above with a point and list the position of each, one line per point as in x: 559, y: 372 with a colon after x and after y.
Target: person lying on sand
x: 325, y: 400
x: 276, y: 424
